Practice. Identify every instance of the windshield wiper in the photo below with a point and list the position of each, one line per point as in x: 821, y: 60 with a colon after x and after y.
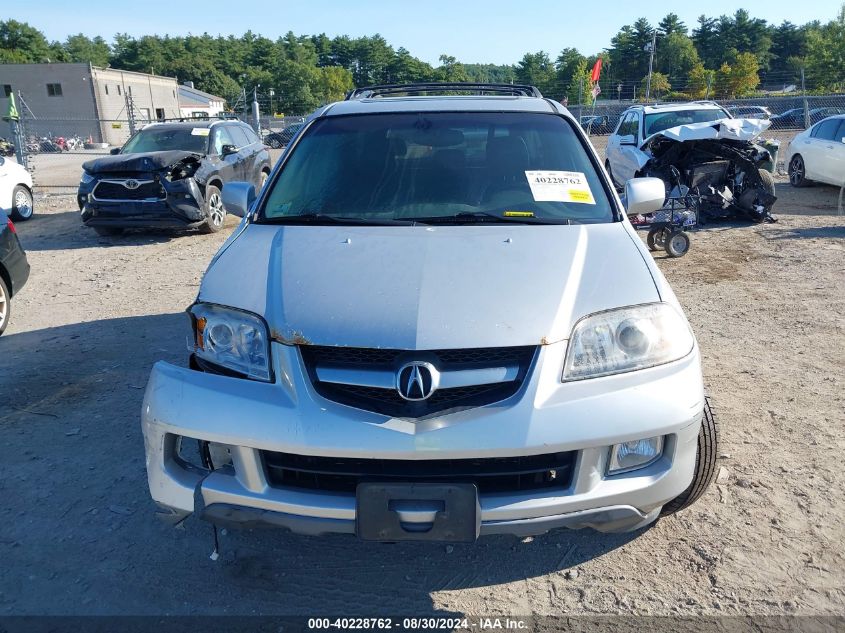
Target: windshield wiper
x: 323, y: 218
x: 485, y: 216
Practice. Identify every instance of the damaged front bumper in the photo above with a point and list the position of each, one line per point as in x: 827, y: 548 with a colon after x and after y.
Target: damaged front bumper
x: 719, y: 162
x: 258, y: 425
x: 178, y: 204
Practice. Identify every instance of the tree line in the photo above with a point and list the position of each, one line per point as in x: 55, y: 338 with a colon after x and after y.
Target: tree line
x: 728, y: 56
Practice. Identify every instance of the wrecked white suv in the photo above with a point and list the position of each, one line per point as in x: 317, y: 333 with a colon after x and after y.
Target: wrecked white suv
x: 697, y: 148
x: 435, y: 322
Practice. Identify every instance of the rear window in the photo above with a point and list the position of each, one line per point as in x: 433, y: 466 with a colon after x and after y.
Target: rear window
x: 660, y: 121
x: 417, y: 165
x: 159, y: 139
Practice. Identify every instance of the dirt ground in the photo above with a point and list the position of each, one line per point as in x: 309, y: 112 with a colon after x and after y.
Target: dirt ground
x: 79, y: 537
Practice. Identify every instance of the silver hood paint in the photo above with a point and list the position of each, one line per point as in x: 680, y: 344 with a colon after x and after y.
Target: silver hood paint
x: 427, y: 287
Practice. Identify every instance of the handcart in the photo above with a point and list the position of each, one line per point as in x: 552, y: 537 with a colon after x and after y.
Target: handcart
x: 667, y: 227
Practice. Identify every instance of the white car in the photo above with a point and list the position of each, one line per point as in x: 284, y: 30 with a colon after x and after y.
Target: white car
x: 818, y: 154
x: 15, y: 190
x: 625, y: 154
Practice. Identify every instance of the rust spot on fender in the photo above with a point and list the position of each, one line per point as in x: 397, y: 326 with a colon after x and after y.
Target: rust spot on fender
x: 294, y: 337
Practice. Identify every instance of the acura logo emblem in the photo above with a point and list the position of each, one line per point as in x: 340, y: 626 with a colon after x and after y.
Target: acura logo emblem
x: 131, y: 184
x: 417, y: 380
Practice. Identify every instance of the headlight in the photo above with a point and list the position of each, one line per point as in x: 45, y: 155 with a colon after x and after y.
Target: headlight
x: 626, y: 339
x: 86, y: 178
x: 633, y: 455
x: 230, y: 338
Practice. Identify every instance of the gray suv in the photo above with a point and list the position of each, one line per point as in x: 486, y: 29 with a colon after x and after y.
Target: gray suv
x: 435, y: 322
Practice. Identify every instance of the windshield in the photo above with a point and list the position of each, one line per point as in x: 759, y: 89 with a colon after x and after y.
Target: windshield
x: 438, y: 166
x: 660, y: 121
x: 160, y: 139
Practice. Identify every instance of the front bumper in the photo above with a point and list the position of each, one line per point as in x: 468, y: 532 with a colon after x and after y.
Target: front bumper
x: 545, y: 416
x: 182, y: 207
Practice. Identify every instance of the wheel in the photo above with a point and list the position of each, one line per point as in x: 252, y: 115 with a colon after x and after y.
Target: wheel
x: 215, y: 212
x: 5, y: 306
x: 610, y: 174
x: 705, y: 462
x: 21, y: 204
x: 108, y: 231
x: 676, y: 243
x: 768, y: 181
x: 797, y: 172
x: 650, y: 239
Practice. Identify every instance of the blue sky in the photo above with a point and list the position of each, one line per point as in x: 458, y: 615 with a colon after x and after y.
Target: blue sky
x: 493, y: 31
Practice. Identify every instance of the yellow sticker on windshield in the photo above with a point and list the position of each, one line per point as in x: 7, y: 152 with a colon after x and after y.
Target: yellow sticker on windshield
x: 560, y: 186
x: 519, y: 214
x: 200, y: 131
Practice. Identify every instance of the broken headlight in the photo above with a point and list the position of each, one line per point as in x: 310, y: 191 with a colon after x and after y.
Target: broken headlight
x: 230, y: 339
x: 183, y: 169
x: 626, y: 339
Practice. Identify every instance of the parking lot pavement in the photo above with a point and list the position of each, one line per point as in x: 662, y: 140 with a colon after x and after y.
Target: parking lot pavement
x: 766, y: 302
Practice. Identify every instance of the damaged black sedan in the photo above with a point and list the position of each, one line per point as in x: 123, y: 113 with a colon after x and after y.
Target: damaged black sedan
x: 171, y: 175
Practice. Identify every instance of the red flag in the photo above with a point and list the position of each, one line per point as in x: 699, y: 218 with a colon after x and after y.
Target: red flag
x: 594, y: 76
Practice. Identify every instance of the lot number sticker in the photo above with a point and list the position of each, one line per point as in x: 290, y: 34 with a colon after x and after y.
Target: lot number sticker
x: 559, y: 186
x: 200, y: 131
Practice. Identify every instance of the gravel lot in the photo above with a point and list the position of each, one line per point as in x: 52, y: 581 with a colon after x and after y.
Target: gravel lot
x: 79, y: 537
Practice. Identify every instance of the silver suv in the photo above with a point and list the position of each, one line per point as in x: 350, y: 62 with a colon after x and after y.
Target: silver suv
x: 435, y: 322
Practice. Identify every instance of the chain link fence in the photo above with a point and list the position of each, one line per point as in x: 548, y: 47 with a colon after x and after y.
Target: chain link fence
x: 54, y: 149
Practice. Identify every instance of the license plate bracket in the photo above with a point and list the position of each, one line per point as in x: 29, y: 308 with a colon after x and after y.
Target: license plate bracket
x: 389, y: 511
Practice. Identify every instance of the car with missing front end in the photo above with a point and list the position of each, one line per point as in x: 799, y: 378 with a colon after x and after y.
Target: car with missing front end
x: 435, y: 322
x: 697, y: 149
x: 171, y: 175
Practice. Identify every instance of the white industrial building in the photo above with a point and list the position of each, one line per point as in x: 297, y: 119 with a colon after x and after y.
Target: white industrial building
x: 195, y: 103
x: 87, y: 101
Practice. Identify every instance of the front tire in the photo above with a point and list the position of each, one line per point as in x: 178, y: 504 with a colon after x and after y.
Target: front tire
x: 768, y: 180
x: 215, y: 212
x: 22, y: 207
x: 705, y: 462
x: 797, y: 172
x: 677, y: 244
x: 610, y: 175
x: 5, y: 307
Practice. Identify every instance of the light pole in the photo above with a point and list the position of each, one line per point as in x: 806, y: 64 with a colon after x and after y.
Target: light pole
x: 272, y: 94
x: 650, y: 47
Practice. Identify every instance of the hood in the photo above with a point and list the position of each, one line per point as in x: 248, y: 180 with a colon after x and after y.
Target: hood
x: 428, y: 287
x: 727, y: 129
x: 143, y: 161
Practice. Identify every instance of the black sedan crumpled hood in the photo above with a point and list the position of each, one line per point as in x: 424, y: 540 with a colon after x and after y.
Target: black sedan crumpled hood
x: 144, y: 161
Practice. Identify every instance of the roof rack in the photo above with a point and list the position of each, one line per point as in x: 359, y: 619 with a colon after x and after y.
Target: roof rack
x: 368, y: 92
x: 199, y: 119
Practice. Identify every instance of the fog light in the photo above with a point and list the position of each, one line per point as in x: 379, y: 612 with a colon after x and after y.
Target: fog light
x: 634, y: 455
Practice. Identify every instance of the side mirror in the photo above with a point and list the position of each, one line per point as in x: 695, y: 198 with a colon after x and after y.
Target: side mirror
x: 114, y: 150
x: 644, y: 195
x: 229, y: 149
x: 628, y: 139
x: 238, y: 197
